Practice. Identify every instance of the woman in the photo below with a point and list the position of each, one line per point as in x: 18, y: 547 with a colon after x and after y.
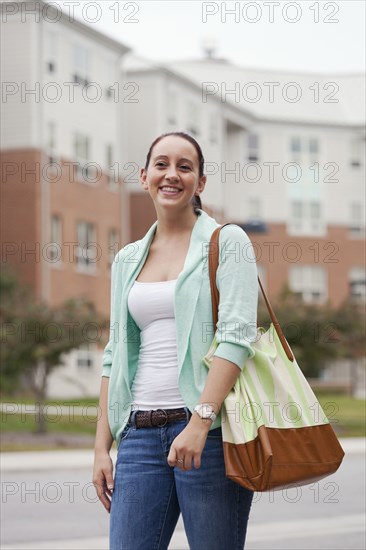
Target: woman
x: 158, y: 400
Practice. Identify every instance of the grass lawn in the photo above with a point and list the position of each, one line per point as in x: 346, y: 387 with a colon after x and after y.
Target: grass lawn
x: 69, y: 424
x: 68, y: 430
x: 63, y: 432
x: 346, y: 414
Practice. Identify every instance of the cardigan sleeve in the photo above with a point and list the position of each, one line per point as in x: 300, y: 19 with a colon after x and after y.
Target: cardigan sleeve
x: 237, y: 283
x: 107, y: 353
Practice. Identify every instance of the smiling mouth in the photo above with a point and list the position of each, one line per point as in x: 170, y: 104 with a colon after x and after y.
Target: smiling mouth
x: 169, y: 190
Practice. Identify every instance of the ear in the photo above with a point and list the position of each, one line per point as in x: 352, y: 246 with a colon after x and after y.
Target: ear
x: 201, y: 184
x: 143, y: 176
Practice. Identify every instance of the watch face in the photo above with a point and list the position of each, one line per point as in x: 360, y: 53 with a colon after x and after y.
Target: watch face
x: 205, y: 411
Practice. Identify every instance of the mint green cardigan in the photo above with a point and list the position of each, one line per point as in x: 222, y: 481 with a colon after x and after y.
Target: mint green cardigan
x: 237, y: 325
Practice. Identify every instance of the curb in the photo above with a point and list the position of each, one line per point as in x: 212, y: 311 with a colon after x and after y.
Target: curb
x: 65, y: 460
x: 29, y: 461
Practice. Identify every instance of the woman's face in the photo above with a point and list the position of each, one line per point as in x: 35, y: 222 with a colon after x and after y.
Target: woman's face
x: 173, y: 163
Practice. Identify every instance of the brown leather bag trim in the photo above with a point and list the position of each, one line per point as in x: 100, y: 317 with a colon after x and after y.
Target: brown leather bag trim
x: 285, y: 455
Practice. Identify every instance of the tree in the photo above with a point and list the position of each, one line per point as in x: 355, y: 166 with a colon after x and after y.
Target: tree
x: 36, y: 337
x: 13, y: 300
x: 316, y: 333
x: 351, y: 320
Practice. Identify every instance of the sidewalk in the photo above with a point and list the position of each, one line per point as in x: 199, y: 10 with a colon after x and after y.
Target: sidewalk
x: 289, y: 534
x: 65, y: 460
x: 178, y: 542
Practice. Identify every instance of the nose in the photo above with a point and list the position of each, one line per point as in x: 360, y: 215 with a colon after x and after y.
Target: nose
x: 171, y: 173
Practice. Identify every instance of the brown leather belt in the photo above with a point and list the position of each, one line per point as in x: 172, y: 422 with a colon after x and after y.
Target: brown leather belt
x: 156, y: 418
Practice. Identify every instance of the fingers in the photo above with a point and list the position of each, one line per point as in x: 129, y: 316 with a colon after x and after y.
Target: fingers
x: 187, y: 463
x: 176, y: 458
x: 184, y: 449
x: 104, y: 484
x: 103, y: 495
x: 184, y: 462
x: 172, y: 457
x: 109, y: 481
x: 197, y: 461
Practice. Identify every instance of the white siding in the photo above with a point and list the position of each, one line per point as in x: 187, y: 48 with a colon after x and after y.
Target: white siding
x: 334, y: 148
x: 19, y: 68
x: 142, y: 126
x: 99, y: 120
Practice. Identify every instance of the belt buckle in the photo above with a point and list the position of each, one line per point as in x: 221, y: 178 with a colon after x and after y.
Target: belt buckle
x: 166, y: 418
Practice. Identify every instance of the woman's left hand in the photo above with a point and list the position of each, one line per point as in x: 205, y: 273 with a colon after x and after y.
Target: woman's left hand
x: 189, y: 444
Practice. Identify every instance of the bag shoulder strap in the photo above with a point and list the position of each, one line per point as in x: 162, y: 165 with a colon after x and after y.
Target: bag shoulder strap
x: 213, y: 259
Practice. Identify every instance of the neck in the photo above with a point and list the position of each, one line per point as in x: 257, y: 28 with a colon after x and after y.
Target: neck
x: 171, y: 225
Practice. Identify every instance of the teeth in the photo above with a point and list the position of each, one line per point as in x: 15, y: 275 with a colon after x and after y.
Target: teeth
x: 170, y: 189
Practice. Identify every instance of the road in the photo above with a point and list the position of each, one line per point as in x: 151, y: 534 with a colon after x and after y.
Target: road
x: 58, y: 510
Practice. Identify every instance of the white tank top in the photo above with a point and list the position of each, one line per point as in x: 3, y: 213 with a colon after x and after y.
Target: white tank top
x: 155, y: 385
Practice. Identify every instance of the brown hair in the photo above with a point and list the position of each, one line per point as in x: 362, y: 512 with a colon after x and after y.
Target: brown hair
x: 196, y: 201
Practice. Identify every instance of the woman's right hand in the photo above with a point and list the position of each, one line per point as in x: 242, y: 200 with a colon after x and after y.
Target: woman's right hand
x: 103, y: 478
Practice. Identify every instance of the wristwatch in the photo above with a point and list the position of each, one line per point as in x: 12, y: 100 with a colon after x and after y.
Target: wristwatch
x: 205, y: 411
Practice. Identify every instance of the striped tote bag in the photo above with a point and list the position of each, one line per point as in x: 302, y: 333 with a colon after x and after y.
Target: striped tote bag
x: 275, y: 433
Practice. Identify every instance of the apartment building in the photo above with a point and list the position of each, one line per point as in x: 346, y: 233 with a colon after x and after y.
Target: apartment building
x: 285, y: 159
x: 63, y: 205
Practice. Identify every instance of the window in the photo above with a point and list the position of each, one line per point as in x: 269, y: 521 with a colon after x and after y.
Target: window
x: 356, y: 152
x: 81, y: 64
x: 314, y: 216
x: 54, y: 253
x: 313, y: 150
x: 296, y: 216
x: 51, y: 49
x: 254, y: 209
x: 110, y: 79
x: 81, y: 155
x: 213, y: 128
x: 112, y: 171
x: 309, y: 282
x: 253, y: 146
x: 193, y: 118
x: 357, y: 284
x: 357, y: 220
x: 86, y: 251
x: 51, y: 142
x: 304, y: 150
x: 113, y: 246
x: 85, y: 357
x: 172, y: 107
x: 295, y: 145
x: 313, y: 146
x: 306, y: 218
x: 81, y: 147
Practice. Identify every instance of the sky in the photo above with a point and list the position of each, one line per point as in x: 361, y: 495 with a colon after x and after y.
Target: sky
x: 306, y: 36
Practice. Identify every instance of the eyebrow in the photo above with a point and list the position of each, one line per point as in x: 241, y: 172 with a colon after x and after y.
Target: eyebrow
x: 165, y: 157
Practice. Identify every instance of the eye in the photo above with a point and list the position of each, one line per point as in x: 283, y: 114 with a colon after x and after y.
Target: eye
x: 160, y: 163
x: 185, y: 167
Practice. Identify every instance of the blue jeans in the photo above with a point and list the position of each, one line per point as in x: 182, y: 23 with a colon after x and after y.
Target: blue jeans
x: 149, y: 495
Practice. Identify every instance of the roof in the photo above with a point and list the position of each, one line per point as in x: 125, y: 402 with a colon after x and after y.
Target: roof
x: 272, y: 95
x: 66, y: 18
